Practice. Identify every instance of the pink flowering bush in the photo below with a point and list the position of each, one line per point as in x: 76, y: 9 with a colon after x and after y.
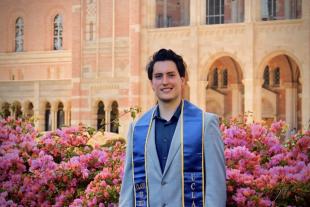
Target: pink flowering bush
x: 262, y: 170
x: 57, y: 168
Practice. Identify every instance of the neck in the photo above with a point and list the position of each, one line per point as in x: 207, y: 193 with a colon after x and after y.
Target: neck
x: 167, y: 109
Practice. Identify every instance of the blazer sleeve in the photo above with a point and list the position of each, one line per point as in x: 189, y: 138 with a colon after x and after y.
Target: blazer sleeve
x: 127, y: 190
x: 215, y: 173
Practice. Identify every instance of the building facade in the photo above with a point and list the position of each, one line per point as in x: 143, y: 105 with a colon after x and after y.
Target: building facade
x: 73, y: 61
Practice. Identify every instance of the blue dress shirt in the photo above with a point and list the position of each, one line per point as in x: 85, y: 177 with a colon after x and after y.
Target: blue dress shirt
x: 164, y: 131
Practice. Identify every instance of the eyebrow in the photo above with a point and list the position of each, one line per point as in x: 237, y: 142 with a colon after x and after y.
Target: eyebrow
x: 170, y: 72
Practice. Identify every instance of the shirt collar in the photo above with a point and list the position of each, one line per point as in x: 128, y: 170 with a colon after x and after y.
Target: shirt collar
x: 175, y: 116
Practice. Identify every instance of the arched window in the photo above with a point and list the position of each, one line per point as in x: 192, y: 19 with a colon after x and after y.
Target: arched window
x: 101, y: 116
x: 215, y: 78
x: 225, y: 78
x: 29, y: 112
x: 48, y: 119
x: 17, y: 109
x: 60, y: 115
x: 6, y: 109
x: 266, y: 77
x: 114, y: 118
x: 58, y: 29
x: 276, y: 77
x: 215, y: 11
x: 19, y: 35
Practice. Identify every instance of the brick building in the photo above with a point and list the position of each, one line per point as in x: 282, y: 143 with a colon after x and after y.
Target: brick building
x: 83, y: 60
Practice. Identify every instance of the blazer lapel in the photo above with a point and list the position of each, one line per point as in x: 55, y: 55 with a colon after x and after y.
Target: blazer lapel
x: 151, y: 149
x: 174, y: 147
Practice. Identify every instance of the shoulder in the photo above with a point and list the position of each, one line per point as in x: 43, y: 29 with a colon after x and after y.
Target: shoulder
x: 145, y: 117
x: 210, y: 116
x: 211, y: 119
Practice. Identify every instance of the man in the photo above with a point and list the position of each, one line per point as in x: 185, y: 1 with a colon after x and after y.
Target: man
x: 175, y: 154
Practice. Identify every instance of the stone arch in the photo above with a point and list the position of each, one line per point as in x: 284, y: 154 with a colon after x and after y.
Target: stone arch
x: 5, y: 109
x: 270, y: 55
x: 17, y: 111
x: 28, y: 109
x: 230, y: 94
x: 207, y: 62
x: 47, y: 116
x: 49, y: 24
x: 114, y: 117
x: 60, y: 114
x: 286, y: 93
x: 101, y: 115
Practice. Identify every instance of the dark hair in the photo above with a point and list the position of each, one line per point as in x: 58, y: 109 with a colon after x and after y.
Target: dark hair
x: 162, y: 55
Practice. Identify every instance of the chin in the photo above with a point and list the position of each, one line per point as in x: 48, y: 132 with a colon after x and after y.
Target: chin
x: 167, y: 99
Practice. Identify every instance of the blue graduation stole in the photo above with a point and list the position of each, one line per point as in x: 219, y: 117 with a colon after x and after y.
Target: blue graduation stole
x: 192, y: 156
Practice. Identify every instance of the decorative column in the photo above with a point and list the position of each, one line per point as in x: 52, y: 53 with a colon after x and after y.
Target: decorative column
x: 258, y: 99
x: 291, y: 105
x: 305, y: 97
x: 53, y: 115
x: 203, y: 94
x: 39, y: 118
x: 249, y: 98
x: 66, y: 116
x: 236, y: 99
x: 108, y: 118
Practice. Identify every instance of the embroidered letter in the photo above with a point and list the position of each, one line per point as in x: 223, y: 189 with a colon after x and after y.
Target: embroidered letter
x: 140, y: 186
x: 193, y: 204
x: 193, y: 177
x: 140, y: 203
x: 193, y: 195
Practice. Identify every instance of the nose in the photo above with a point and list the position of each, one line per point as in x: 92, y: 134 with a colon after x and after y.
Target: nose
x: 165, y: 79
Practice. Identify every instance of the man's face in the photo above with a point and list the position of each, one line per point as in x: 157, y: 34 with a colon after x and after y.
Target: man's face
x: 166, y: 81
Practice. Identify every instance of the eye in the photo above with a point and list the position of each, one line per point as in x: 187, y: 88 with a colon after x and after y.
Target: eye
x: 157, y: 76
x: 171, y: 75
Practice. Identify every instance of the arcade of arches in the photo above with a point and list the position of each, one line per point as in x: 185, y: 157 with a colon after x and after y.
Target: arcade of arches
x: 57, y: 114
x: 280, y: 91
x: 280, y: 95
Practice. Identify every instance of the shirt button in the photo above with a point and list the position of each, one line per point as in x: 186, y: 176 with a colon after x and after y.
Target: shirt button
x: 164, y: 158
x: 164, y: 205
x: 163, y: 183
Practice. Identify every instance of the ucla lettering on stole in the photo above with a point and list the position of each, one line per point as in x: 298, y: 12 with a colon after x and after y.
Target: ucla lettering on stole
x: 140, y: 203
x: 193, y: 187
x: 140, y: 186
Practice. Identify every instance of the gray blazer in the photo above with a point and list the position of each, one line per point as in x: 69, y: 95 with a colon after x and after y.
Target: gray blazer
x: 165, y: 188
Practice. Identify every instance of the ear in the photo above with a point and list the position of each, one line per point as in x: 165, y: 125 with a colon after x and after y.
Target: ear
x: 183, y: 81
x: 152, y: 85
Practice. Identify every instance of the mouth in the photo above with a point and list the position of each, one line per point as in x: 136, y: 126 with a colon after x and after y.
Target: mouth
x: 166, y: 90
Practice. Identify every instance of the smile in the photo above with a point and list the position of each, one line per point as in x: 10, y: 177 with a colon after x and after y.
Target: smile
x: 166, y: 89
